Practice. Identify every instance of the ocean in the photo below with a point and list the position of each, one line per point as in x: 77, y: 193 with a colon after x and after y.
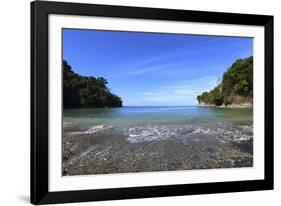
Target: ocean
x: 157, y: 115
x: 133, y: 139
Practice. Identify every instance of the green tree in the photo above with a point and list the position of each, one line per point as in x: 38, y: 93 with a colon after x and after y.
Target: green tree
x: 237, y: 81
x: 81, y: 91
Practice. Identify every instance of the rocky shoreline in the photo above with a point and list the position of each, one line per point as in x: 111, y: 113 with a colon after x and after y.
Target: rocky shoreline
x: 246, y: 105
x: 106, y: 151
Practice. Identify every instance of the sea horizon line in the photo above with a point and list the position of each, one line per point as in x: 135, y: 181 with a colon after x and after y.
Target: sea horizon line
x: 160, y: 105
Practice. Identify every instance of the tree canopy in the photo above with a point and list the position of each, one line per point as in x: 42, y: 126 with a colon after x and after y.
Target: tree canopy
x: 83, y: 91
x: 236, y: 83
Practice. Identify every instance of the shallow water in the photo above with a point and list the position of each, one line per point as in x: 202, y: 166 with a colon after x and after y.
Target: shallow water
x: 133, y: 139
x: 159, y: 123
x: 140, y: 116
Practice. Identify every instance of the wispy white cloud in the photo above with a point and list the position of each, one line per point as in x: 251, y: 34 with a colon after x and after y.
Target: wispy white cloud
x: 153, y: 69
x: 161, y: 62
x: 183, y: 93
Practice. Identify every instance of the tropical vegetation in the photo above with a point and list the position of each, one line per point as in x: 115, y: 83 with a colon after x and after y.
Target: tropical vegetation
x: 235, y: 87
x: 86, y: 91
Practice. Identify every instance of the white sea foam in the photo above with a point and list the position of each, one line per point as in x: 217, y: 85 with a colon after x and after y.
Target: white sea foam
x: 95, y: 129
x: 99, y: 128
x: 149, y: 133
x: 67, y: 124
x: 153, y: 133
x: 224, y: 133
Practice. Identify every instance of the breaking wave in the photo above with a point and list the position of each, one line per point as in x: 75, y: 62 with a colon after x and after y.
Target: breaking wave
x: 67, y: 124
x: 99, y: 128
x: 224, y: 133
x: 153, y: 133
x: 95, y: 129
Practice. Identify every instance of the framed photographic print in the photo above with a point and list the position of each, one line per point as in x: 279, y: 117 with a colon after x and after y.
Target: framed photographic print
x: 131, y: 102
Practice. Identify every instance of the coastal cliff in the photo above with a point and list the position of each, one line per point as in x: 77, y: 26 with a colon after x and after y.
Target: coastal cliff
x: 235, y: 89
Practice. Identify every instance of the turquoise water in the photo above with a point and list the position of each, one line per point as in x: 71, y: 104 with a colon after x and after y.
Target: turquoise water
x: 143, y: 116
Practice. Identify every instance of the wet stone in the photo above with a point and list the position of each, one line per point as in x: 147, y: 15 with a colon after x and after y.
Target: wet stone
x: 103, y: 150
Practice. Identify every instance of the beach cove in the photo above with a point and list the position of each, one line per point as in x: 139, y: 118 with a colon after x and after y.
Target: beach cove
x: 146, y: 139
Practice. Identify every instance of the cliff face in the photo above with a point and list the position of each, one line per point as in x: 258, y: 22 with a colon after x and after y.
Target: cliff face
x: 235, y: 88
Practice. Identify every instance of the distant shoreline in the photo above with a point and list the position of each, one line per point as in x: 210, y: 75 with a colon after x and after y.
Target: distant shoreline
x: 244, y: 105
x: 195, y: 105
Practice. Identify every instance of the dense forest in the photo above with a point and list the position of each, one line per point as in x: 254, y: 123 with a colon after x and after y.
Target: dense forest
x: 82, y: 91
x: 235, y: 87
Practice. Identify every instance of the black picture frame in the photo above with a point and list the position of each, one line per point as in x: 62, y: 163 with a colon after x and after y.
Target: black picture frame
x: 39, y: 102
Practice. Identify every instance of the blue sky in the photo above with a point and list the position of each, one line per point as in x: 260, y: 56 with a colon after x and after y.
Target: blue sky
x: 147, y: 69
